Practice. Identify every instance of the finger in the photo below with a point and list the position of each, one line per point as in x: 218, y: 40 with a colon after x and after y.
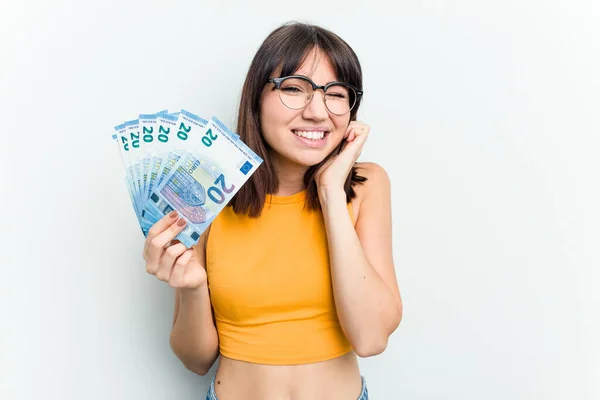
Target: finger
x: 344, y: 145
x: 157, y: 245
x: 357, y: 146
x: 352, y: 135
x: 354, y: 149
x: 158, y: 227
x: 178, y: 274
x: 361, y: 132
x: 348, y: 130
x: 167, y: 260
x: 364, y: 134
x: 361, y: 128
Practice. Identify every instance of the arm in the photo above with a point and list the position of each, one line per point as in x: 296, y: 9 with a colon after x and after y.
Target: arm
x: 365, y: 289
x: 194, y: 338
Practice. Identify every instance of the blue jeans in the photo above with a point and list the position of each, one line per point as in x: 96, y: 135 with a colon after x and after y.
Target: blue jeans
x: 211, y: 395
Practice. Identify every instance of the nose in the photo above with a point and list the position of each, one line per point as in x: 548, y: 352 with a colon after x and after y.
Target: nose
x: 315, y: 109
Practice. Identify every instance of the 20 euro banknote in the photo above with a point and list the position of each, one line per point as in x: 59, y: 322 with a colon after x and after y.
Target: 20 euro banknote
x: 203, y: 181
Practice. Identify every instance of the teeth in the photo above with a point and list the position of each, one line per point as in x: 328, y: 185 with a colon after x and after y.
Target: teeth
x: 310, y: 135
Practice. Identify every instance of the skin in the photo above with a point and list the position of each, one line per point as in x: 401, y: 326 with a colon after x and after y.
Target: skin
x: 363, y: 276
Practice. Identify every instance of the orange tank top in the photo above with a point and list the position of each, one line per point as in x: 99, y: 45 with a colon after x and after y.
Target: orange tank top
x: 270, y: 285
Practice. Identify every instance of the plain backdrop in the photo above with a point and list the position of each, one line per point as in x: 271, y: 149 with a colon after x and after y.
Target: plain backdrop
x: 484, y: 113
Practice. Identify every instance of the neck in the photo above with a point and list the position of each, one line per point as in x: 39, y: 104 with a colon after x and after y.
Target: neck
x: 290, y: 177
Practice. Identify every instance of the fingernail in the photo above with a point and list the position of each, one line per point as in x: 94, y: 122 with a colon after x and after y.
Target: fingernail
x: 173, y: 214
x: 181, y: 222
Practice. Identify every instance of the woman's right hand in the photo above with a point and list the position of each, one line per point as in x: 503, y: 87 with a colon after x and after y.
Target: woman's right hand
x: 172, y: 263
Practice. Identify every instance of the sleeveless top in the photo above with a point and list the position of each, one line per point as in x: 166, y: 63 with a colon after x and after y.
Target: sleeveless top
x: 270, y: 285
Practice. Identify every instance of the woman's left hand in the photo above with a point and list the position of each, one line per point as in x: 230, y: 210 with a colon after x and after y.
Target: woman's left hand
x: 332, y: 175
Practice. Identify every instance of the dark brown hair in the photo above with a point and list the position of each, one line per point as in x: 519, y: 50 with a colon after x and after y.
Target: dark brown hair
x: 286, y: 48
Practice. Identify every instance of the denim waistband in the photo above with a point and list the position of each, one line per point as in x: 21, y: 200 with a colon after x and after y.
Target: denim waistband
x: 364, y: 393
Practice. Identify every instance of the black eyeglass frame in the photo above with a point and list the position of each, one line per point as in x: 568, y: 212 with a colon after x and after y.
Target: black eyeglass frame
x: 277, y: 82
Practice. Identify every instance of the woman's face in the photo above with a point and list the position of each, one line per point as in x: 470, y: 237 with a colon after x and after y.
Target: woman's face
x: 303, y: 137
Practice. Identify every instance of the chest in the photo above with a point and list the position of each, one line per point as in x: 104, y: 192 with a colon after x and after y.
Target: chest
x: 269, y: 265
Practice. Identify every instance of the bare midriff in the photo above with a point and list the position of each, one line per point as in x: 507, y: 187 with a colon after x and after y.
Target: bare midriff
x: 335, y: 379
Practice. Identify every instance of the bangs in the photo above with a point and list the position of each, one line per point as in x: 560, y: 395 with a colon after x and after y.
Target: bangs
x: 302, y: 44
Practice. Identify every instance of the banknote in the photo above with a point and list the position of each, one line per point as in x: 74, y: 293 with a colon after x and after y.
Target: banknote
x: 131, y: 141
x: 151, y: 158
x: 187, y: 126
x: 122, y: 142
x: 181, y: 161
x: 167, y: 124
x: 175, y: 134
x: 204, y: 180
x: 132, y: 148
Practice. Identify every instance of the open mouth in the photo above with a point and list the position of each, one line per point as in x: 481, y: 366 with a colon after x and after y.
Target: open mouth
x: 311, y: 135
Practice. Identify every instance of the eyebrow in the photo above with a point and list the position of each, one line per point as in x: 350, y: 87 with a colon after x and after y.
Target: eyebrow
x: 308, y: 77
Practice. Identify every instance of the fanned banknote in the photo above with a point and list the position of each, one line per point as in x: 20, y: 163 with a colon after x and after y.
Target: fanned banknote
x: 204, y: 180
x: 181, y: 161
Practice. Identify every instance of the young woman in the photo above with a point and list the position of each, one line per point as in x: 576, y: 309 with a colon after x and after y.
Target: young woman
x: 295, y: 277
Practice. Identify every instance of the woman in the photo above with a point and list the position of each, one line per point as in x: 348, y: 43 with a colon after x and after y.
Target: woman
x: 295, y: 278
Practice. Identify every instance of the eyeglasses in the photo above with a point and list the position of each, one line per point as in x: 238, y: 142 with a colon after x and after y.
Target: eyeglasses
x: 296, y: 91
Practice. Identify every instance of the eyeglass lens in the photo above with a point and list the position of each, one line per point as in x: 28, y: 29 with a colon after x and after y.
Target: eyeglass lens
x: 295, y: 93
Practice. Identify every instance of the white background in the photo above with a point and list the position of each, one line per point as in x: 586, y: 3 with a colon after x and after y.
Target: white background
x: 484, y: 113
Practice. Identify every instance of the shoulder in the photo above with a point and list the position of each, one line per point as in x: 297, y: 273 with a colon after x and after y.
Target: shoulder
x: 377, y: 185
x: 377, y: 180
x: 374, y: 173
